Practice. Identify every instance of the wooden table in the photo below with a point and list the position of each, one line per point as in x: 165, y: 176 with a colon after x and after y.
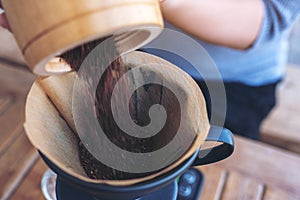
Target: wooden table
x: 255, y: 171
x: 281, y: 128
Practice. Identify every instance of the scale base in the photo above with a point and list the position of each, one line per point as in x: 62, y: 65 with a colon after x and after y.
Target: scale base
x: 187, y: 187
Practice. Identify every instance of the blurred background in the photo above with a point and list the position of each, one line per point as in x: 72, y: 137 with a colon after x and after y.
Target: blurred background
x: 294, y: 56
x: 21, y: 169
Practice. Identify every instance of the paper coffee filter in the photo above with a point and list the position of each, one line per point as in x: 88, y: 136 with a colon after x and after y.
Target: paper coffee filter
x: 49, y: 133
x: 49, y: 120
x: 60, y: 89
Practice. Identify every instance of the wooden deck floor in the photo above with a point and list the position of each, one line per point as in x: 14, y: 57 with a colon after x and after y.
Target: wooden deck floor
x: 17, y: 155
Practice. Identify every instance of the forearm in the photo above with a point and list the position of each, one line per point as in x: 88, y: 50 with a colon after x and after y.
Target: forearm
x: 231, y: 23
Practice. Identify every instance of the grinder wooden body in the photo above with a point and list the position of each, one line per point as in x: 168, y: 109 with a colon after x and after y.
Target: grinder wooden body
x: 47, y: 28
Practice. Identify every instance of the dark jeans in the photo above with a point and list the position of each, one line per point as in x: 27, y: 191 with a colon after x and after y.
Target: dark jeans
x: 247, y: 106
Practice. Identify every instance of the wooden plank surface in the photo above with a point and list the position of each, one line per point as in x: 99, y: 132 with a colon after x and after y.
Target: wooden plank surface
x: 239, y: 186
x: 279, y: 194
x: 254, y: 171
x: 266, y: 164
x: 14, y: 86
x: 4, y: 103
x: 17, y: 155
x: 282, y: 126
x: 11, y: 119
x: 214, y: 181
x: 15, y: 163
x: 14, y: 81
x: 30, y: 188
x: 9, y: 49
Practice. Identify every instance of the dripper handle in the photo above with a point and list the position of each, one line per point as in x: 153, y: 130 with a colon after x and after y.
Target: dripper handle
x: 216, y: 153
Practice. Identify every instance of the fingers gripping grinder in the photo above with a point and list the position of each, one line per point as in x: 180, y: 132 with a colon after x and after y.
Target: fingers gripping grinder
x: 47, y: 29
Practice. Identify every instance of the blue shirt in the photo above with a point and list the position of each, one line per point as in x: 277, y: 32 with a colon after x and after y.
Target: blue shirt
x: 264, y: 62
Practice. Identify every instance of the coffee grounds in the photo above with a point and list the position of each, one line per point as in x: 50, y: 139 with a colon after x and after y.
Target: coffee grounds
x: 75, y: 57
x: 139, y: 105
x: 97, y: 170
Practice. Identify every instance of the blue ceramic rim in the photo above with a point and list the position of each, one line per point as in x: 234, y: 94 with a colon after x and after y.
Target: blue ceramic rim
x: 146, y: 185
